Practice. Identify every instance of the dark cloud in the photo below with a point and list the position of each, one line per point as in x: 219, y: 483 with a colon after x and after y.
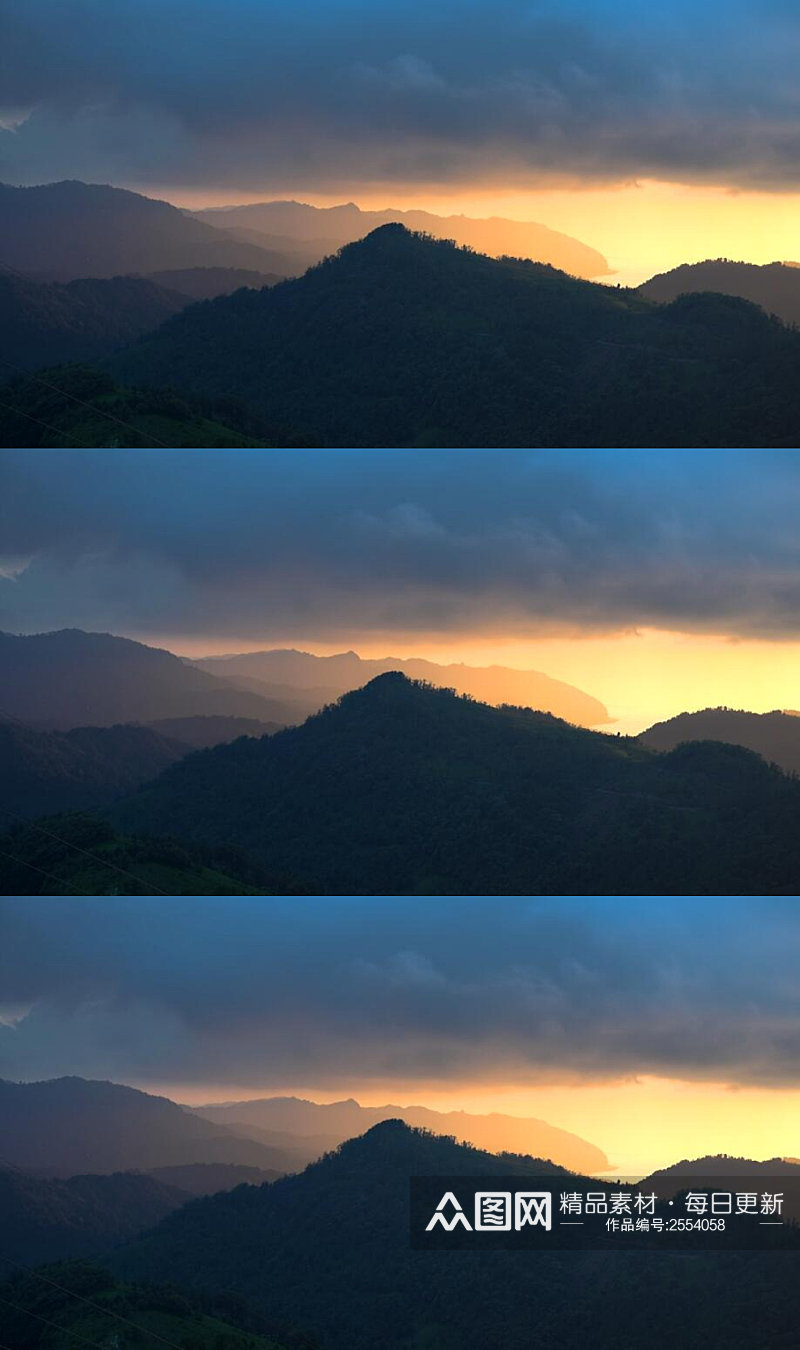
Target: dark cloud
x: 334, y: 545
x: 265, y: 97
x: 281, y: 992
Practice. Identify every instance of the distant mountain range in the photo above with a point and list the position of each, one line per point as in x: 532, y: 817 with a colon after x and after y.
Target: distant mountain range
x: 338, y: 1121
x: 65, y: 1126
x: 773, y: 735
x: 70, y: 678
x: 775, y: 287
x: 404, y: 788
x: 333, y: 1242
x: 61, y: 231
x: 324, y: 678
x: 402, y: 340
x: 323, y: 230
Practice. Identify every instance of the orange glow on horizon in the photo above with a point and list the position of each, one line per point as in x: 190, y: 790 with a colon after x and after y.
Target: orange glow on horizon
x: 642, y: 677
x: 640, y: 1123
x: 642, y: 228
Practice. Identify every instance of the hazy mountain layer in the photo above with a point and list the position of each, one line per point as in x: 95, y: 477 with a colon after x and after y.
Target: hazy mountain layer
x: 341, y: 673
x: 200, y: 733
x: 204, y: 283
x: 774, y: 735
x: 70, y: 678
x: 403, y: 788
x: 407, y: 341
x: 774, y: 286
x: 60, y: 231
x: 329, y: 227
x: 69, y: 1125
x: 342, y: 1120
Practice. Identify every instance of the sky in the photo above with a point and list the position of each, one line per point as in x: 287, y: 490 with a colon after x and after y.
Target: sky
x: 655, y: 581
x: 656, y: 1029
x: 658, y: 133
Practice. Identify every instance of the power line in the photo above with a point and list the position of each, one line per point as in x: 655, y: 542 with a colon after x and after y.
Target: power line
x: 101, y: 412
x: 34, y: 825
x: 21, y: 862
x: 55, y: 430
x: 35, y: 1274
x: 65, y: 1331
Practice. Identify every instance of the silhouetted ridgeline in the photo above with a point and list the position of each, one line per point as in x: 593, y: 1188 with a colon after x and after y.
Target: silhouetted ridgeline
x: 410, y: 789
x: 333, y: 1242
x: 774, y: 286
x: 406, y: 340
x: 773, y: 735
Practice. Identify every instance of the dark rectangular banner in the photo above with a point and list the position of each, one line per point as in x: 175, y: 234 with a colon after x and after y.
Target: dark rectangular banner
x: 556, y: 1212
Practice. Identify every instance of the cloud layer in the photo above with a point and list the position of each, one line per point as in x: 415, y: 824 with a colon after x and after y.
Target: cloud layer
x: 334, y: 546
x: 269, y: 96
x: 282, y: 992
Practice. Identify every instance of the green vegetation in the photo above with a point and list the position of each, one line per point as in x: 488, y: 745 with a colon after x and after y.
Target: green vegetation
x: 60, y: 1306
x: 79, y: 406
x: 331, y: 1245
x: 405, y: 340
x: 404, y: 788
x: 76, y: 854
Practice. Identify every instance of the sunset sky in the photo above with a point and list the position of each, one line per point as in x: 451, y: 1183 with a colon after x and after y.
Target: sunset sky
x: 656, y: 1029
x: 657, y: 134
x: 657, y: 582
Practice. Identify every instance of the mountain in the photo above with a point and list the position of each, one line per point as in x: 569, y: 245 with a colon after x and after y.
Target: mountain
x: 333, y: 1243
x: 404, y: 788
x: 77, y: 854
x: 60, y: 231
x: 209, y: 1178
x: 339, y: 674
x: 45, y: 324
x: 49, y: 1219
x: 773, y: 735
x: 77, y: 1303
x: 204, y: 283
x: 77, y: 405
x: 70, y: 679
x: 200, y: 733
x: 68, y: 1125
x: 44, y: 772
x: 338, y: 1121
x: 723, y: 1164
x: 774, y: 286
x: 324, y: 229
x: 402, y: 340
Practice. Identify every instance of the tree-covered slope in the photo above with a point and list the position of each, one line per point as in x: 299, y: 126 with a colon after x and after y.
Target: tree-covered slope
x: 46, y: 324
x: 406, y: 340
x: 773, y: 735
x: 404, y: 788
x: 333, y: 1242
x: 774, y: 286
x: 77, y: 854
x: 73, y: 1303
x: 80, y: 407
x: 44, y: 772
x: 51, y: 1219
